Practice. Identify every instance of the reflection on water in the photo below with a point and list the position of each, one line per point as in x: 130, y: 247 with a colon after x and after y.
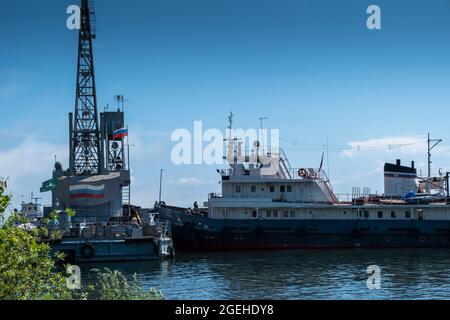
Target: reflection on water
x: 302, y: 274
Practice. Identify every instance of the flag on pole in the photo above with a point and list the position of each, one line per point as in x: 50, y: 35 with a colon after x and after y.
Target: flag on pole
x: 49, y: 185
x: 120, y: 133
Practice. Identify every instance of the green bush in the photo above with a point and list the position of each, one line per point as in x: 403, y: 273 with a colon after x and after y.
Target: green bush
x: 112, y: 285
x: 28, y: 271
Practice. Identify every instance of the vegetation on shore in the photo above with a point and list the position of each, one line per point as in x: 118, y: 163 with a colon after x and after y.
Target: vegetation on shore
x: 28, y: 271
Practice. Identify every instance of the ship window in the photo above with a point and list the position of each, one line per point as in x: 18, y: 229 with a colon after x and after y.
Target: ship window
x: 272, y: 189
x: 366, y: 214
x: 289, y: 188
x: 253, y: 188
x: 282, y: 188
x: 275, y: 214
x: 420, y: 214
x: 407, y: 214
x: 286, y: 214
x: 238, y: 189
x: 269, y: 214
x: 380, y: 214
x: 393, y: 216
x: 292, y: 214
x: 254, y: 214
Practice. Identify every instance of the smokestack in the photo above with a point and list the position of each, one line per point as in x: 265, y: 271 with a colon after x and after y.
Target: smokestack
x: 398, y: 162
x: 412, y: 164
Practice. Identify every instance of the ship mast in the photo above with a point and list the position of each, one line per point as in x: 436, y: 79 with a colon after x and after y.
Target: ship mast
x: 86, y: 156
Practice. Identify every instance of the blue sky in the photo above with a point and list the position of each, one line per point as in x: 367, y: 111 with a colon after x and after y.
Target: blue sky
x: 311, y: 67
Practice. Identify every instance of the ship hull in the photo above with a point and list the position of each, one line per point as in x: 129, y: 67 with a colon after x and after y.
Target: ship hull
x: 106, y: 250
x: 193, y: 232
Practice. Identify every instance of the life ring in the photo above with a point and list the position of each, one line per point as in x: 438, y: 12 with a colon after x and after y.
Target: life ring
x: 302, y: 173
x: 87, y: 251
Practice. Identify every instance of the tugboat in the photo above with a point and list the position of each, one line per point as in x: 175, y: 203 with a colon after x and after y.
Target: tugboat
x: 96, y: 186
x: 297, y: 208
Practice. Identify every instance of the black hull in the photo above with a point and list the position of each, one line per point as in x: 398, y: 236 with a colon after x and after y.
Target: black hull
x: 193, y: 233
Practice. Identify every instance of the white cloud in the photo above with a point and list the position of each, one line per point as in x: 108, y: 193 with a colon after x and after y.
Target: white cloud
x: 377, y: 170
x: 399, y: 144
x: 190, y: 181
x: 28, y: 164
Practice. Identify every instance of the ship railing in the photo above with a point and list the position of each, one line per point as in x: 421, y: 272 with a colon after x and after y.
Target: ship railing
x: 308, y: 174
x: 225, y: 172
x: 96, y: 230
x: 214, y: 195
x: 292, y: 173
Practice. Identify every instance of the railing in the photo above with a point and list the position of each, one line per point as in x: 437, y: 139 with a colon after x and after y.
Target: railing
x: 95, y: 230
x: 293, y: 173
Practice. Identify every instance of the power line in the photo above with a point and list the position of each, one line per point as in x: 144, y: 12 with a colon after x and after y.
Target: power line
x: 339, y: 148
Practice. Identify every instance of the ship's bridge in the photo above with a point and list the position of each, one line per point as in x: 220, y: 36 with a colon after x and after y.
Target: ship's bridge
x: 272, y: 178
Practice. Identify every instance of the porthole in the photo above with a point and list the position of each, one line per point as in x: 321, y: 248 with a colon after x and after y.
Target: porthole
x: 388, y: 239
x: 422, y: 238
x: 443, y: 239
x: 334, y: 238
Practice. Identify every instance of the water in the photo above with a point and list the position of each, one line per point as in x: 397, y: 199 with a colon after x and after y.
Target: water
x: 300, y: 274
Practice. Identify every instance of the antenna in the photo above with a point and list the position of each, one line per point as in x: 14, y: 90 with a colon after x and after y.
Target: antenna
x: 431, y: 144
x: 160, y: 184
x: 120, y: 99
x: 261, y: 126
x: 230, y: 124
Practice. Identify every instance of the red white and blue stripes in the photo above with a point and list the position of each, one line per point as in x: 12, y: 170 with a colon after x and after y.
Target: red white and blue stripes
x: 87, y: 192
x: 120, y: 133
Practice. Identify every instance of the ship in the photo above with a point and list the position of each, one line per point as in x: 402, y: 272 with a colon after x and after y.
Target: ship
x: 92, y: 218
x: 296, y: 208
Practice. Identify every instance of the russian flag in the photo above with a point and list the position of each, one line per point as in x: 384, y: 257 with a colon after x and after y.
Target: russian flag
x: 120, y: 133
x: 87, y: 191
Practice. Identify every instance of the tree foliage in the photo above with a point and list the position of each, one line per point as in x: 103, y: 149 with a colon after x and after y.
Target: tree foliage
x: 26, y: 267
x: 112, y: 285
x: 28, y: 270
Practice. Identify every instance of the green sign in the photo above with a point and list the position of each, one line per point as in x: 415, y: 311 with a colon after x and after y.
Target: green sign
x: 49, y: 185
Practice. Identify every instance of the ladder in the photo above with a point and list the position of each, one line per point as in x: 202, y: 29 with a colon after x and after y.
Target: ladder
x: 286, y: 164
x: 126, y: 198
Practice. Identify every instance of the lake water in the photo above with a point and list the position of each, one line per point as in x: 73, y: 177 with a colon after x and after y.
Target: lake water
x: 299, y: 274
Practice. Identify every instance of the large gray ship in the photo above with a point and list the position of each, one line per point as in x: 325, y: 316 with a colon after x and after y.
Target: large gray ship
x: 297, y: 208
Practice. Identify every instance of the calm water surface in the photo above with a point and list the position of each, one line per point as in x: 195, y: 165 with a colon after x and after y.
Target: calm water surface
x: 302, y: 274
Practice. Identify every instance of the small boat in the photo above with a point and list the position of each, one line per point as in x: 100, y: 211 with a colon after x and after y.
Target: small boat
x: 124, y: 240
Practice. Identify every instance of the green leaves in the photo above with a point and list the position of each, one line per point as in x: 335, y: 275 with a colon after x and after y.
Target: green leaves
x: 112, y: 285
x: 28, y: 271
x: 26, y: 268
